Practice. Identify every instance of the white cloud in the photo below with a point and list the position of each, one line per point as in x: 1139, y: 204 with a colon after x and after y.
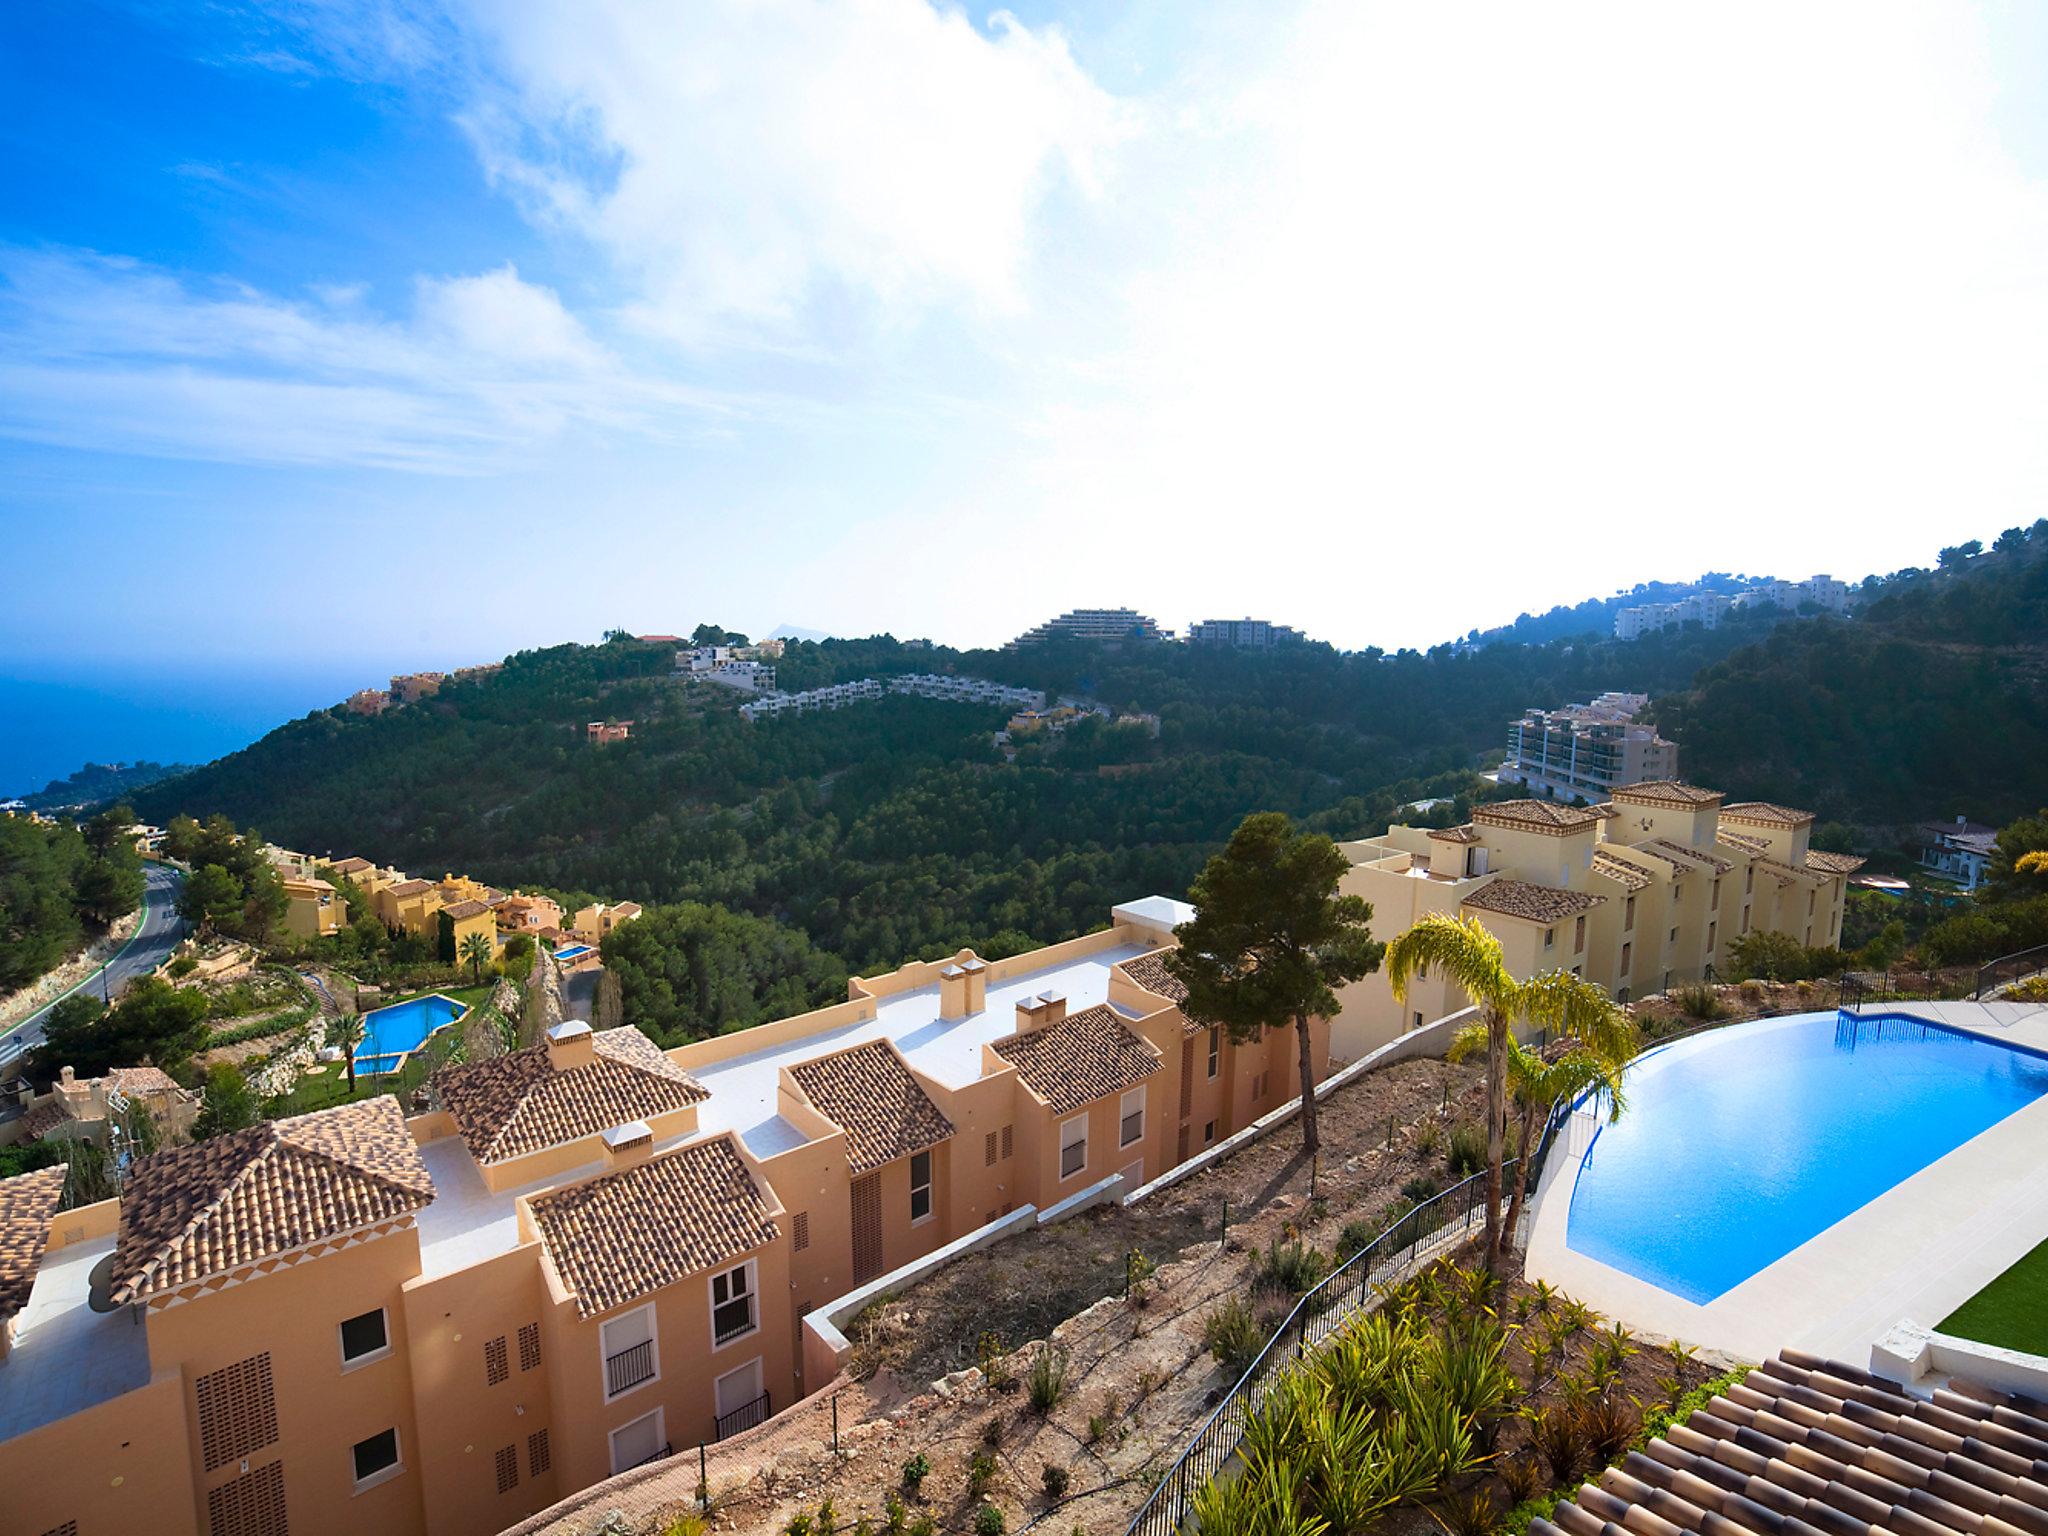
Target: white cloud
x: 747, y: 158
x: 487, y: 370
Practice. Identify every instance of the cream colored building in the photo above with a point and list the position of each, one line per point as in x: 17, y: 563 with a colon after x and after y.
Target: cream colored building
x: 1640, y: 893
x: 596, y: 1253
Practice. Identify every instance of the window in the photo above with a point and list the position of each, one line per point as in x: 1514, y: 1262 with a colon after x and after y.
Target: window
x: 496, y: 1365
x: 800, y: 1237
x: 630, y: 1357
x: 1809, y: 903
x: 1549, y: 937
x: 1215, y: 1050
x: 639, y: 1442
x: 364, y: 1338
x: 1208, y: 1133
x: 1627, y: 950
x: 376, y: 1459
x: 1674, y: 935
x: 1131, y: 1117
x: 1714, y: 896
x: 733, y: 1314
x: 1712, y: 929
x: 920, y: 1187
x: 1628, y: 915
x: 1073, y: 1146
x: 1418, y: 1020
x: 1749, y: 880
x: 1579, y: 935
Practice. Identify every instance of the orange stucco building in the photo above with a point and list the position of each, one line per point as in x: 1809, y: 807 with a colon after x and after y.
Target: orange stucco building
x: 595, y: 1252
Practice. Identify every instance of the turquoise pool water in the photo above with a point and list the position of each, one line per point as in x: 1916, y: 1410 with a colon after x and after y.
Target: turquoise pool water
x: 1742, y: 1143
x: 572, y: 951
x: 389, y: 1033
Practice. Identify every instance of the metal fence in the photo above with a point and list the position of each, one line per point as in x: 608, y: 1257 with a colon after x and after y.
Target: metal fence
x: 1437, y: 1224
x: 2007, y: 969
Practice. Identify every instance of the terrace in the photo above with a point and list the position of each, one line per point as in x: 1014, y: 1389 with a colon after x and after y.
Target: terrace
x: 66, y: 1356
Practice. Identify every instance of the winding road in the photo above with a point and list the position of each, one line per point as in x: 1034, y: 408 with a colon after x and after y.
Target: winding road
x: 147, y: 948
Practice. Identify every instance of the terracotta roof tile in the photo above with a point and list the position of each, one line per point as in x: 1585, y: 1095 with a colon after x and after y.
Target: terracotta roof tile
x: 1766, y: 814
x: 518, y: 1103
x: 1832, y: 863
x: 1676, y: 862
x: 1787, y: 874
x: 1537, y: 903
x: 1465, y: 834
x: 350, y: 866
x: 1537, y: 816
x: 1811, y: 1445
x: 1083, y: 1057
x: 1149, y: 972
x: 27, y: 1203
x: 1668, y: 792
x: 871, y: 1095
x: 42, y: 1120
x: 624, y: 1235
x: 141, y: 1080
x: 412, y: 887
x: 1665, y: 845
x: 1742, y: 842
x: 463, y: 909
x: 199, y: 1210
x: 1620, y: 871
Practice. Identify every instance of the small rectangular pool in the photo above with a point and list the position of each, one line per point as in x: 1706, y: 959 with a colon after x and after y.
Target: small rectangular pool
x: 1743, y: 1143
x: 391, y: 1034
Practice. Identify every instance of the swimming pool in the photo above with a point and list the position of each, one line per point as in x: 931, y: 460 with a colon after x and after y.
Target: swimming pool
x: 1743, y: 1143
x: 390, y: 1033
x: 572, y: 952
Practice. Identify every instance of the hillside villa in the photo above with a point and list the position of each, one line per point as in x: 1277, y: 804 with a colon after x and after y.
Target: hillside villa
x: 594, y: 1252
x: 1639, y: 893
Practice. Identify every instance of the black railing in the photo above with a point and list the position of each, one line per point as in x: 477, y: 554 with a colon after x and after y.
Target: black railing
x: 2010, y: 968
x: 1433, y: 1226
x: 746, y: 1416
x: 663, y: 1454
x: 628, y: 1368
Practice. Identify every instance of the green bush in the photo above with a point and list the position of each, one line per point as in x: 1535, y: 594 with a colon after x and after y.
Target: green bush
x: 184, y: 965
x: 988, y: 1521
x: 1292, y: 1268
x: 981, y: 1471
x: 1356, y: 1237
x: 1234, y: 1335
x: 1420, y: 1188
x: 1046, y: 1382
x: 1467, y: 1154
x: 915, y: 1471
x: 1055, y: 1479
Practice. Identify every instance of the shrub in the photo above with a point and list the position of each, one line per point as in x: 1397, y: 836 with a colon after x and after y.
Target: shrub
x: 915, y: 1471
x: 1467, y: 1154
x: 992, y: 1431
x: 895, y: 1514
x: 1234, y: 1335
x: 925, y: 1524
x: 1429, y: 1138
x: 993, y: 1360
x: 1472, y: 1513
x: 184, y: 965
x: 1559, y: 1437
x: 981, y: 1471
x: 1046, y: 1382
x: 1522, y: 1476
x: 988, y: 1521
x: 799, y: 1525
x: 1420, y: 1188
x: 1610, y: 1425
x: 1293, y: 1268
x: 1699, y: 1002
x: 1098, y: 1426
x: 1055, y: 1479
x: 1355, y: 1238
x: 684, y: 1525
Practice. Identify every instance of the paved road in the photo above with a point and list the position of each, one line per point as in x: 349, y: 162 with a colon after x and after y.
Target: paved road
x: 149, y: 946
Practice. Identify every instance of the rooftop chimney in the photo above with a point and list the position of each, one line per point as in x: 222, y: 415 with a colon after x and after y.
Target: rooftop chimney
x: 570, y: 1046
x: 952, y: 993
x: 628, y: 1144
x: 1055, y: 1005
x: 1030, y: 1014
x: 977, y: 985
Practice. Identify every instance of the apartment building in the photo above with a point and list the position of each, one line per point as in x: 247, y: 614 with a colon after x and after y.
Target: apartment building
x: 1094, y: 624
x: 593, y: 922
x: 1243, y: 634
x: 1638, y: 893
x: 966, y: 690
x: 832, y: 696
x: 1587, y: 751
x: 1705, y: 609
x: 367, y: 701
x: 411, y: 687
x: 594, y: 1252
x: 1961, y: 850
x: 312, y: 907
x: 742, y: 676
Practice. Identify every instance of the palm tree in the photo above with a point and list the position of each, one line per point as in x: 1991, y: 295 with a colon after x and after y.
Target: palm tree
x: 349, y: 1032
x: 1467, y: 954
x: 477, y: 950
x: 1535, y: 1084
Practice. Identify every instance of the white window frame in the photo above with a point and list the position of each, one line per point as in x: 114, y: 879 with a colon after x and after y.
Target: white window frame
x: 611, y: 1439
x: 1124, y: 1112
x: 1550, y: 938
x: 1215, y: 1050
x: 383, y: 1474
x: 1081, y: 1141
x: 750, y: 1269
x: 604, y: 1354
x: 368, y: 1357
x: 760, y: 1372
x: 925, y: 1189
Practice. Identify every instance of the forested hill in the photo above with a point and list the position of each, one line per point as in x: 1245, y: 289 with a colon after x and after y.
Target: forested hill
x: 894, y: 829
x: 1932, y: 702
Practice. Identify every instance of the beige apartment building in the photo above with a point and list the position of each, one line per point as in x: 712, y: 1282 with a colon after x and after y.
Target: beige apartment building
x: 1641, y: 892
x: 593, y: 1253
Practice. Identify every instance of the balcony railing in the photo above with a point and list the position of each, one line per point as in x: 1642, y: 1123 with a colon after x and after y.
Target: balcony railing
x: 662, y: 1454
x: 628, y: 1368
x: 746, y: 1416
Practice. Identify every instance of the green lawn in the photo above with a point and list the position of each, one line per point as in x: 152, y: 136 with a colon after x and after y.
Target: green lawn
x: 2012, y: 1311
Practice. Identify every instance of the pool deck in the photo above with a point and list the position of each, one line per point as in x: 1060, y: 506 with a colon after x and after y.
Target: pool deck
x: 1916, y: 1252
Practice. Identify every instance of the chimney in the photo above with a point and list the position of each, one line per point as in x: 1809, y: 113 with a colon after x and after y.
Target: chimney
x: 570, y: 1046
x: 953, y: 993
x: 977, y: 985
x: 1055, y: 1005
x: 1030, y: 1014
x: 628, y: 1145
x: 67, y: 1077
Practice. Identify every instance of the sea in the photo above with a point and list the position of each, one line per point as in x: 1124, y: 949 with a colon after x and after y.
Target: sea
x: 53, y: 724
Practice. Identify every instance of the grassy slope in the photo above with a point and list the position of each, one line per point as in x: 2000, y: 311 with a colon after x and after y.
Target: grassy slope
x: 2012, y: 1311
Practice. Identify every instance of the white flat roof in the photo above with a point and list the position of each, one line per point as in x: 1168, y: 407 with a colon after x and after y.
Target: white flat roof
x: 67, y: 1357
x: 1161, y: 912
x: 743, y: 1090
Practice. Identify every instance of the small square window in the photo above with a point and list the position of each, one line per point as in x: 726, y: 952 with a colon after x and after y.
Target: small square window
x: 364, y: 1338
x: 376, y: 1457
x: 1208, y: 1133
x: 920, y: 1186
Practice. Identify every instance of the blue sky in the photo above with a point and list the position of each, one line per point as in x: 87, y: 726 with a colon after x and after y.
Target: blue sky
x: 342, y: 335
